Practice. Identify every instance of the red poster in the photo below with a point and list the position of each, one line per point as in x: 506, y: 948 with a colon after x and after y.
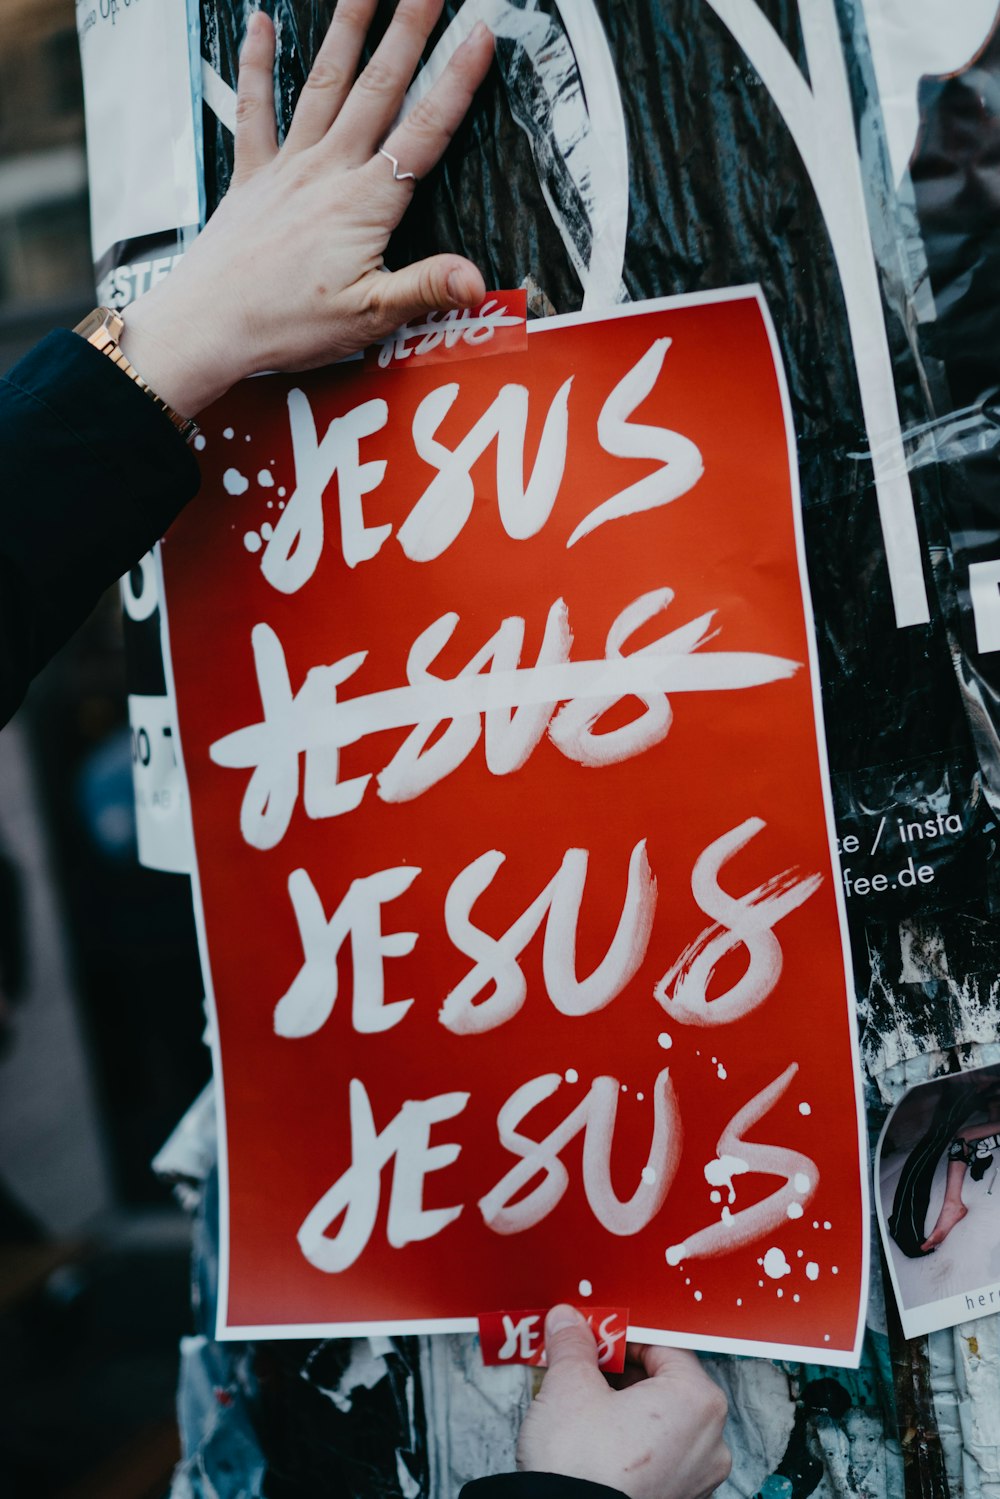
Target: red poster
x: 500, y: 717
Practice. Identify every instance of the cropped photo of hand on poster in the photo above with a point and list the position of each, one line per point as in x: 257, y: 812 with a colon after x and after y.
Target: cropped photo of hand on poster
x: 502, y: 732
x: 936, y: 1171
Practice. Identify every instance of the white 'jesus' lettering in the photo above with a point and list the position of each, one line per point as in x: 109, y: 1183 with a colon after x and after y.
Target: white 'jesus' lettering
x: 506, y: 1211
x: 316, y: 723
x: 737, y: 921
x: 441, y: 512
x: 355, y: 1196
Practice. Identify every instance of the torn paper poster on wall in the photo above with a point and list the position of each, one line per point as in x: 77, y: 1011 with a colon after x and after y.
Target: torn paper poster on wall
x: 143, y: 138
x: 521, y: 717
x: 936, y: 1170
x: 142, y: 99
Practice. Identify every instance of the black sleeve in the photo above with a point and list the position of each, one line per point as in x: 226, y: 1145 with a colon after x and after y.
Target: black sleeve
x: 536, y: 1486
x: 91, y: 475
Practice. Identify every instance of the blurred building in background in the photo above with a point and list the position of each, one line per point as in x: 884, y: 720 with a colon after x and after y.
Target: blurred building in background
x: 45, y: 271
x: 100, y: 1014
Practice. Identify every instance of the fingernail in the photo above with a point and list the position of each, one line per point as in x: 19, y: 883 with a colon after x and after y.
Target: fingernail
x: 561, y: 1316
x: 455, y: 286
x: 254, y: 23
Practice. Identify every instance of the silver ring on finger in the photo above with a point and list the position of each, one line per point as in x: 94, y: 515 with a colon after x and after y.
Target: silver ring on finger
x: 397, y: 175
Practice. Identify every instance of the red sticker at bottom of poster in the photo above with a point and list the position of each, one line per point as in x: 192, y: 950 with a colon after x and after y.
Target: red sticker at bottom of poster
x: 519, y: 1337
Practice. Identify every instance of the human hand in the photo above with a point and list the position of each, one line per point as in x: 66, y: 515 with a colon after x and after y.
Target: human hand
x: 659, y: 1438
x: 287, y: 274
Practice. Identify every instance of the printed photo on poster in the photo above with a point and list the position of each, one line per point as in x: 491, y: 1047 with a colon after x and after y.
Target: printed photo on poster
x: 938, y: 1196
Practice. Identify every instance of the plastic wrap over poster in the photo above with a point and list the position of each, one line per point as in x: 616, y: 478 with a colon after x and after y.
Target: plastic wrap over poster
x: 500, y: 716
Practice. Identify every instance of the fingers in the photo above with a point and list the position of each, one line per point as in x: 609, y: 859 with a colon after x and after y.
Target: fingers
x: 678, y: 1383
x: 688, y: 1381
x: 570, y: 1346
x: 256, y: 134
x: 677, y: 1363
x: 443, y: 281
x: 332, y: 74
x: 377, y: 95
x: 422, y: 138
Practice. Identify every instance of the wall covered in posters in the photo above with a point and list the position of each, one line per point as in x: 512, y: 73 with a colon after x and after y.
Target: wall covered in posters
x: 858, y: 198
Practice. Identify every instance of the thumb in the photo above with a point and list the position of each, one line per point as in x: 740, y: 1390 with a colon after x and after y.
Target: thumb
x: 569, y: 1342
x: 440, y: 283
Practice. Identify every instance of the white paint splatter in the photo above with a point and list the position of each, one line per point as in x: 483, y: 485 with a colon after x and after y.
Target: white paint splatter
x: 227, y: 432
x: 775, y: 1264
x: 720, y: 1172
x: 624, y: 1087
x: 665, y: 1040
x: 265, y: 478
x: 799, y: 1253
x: 648, y: 1174
x: 796, y: 1297
x: 282, y: 490
x: 571, y: 1075
x: 827, y: 1223
x: 201, y: 442
x: 267, y: 530
x: 247, y: 438
x: 640, y: 1097
x: 722, y: 1073
x: 739, y: 1301
x: 252, y: 541
x: 805, y: 1108
x: 794, y: 1210
x: 715, y: 1196
x: 802, y: 1182
x: 812, y: 1270
x: 233, y: 482
x: 697, y: 1295
x: 673, y: 1254
x: 780, y: 1292
x: 585, y: 1288
x: 834, y: 1270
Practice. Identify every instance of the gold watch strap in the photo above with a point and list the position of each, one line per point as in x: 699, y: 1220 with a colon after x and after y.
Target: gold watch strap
x: 103, y: 328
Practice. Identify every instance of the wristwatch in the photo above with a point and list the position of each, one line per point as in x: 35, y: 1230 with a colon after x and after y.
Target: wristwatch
x: 103, y: 328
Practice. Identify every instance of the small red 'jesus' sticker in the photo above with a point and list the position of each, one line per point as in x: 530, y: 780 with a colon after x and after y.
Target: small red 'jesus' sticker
x: 519, y: 1337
